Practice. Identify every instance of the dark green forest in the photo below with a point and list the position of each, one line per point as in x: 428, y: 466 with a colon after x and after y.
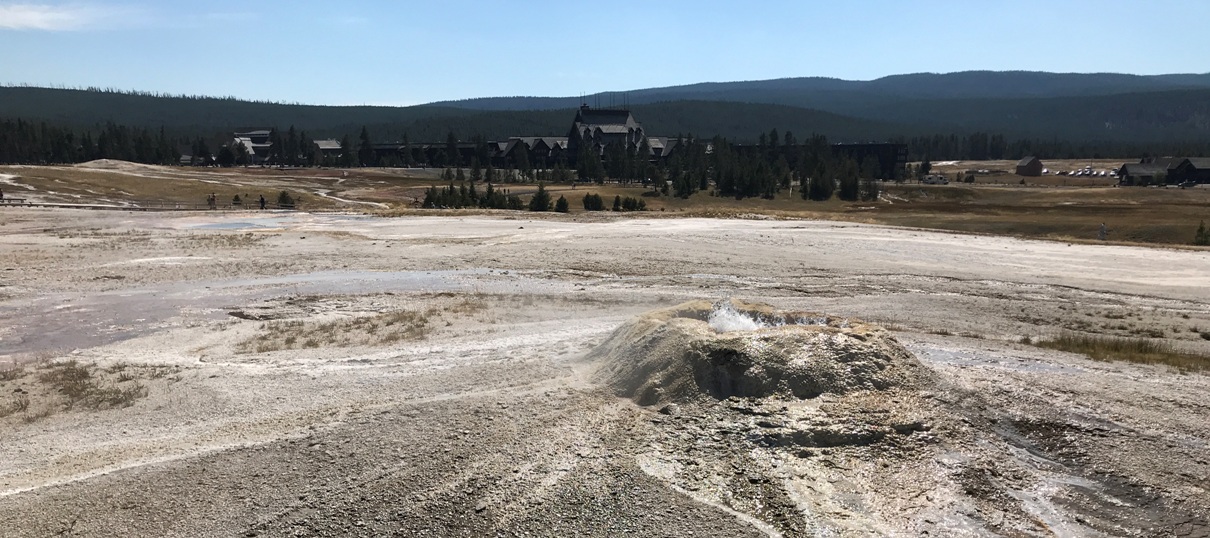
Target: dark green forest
x: 968, y: 116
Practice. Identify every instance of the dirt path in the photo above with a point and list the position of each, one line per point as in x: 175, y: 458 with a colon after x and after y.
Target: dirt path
x: 321, y: 374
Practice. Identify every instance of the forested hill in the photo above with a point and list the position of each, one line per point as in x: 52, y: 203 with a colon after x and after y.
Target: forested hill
x: 845, y: 96
x: 1119, y: 109
x: 213, y: 117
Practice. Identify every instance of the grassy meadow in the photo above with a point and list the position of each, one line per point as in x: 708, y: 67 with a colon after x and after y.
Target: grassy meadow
x: 997, y: 203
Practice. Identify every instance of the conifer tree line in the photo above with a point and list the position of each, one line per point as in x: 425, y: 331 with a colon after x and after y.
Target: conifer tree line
x: 980, y: 146
x: 464, y: 196
x: 25, y: 142
x: 775, y: 163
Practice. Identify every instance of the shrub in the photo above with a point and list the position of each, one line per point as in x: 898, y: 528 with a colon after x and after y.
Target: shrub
x: 593, y: 202
x: 629, y: 204
x: 561, y: 205
x: 1202, y: 237
x: 284, y: 199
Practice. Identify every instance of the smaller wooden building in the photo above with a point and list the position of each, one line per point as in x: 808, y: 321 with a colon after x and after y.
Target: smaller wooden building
x: 1029, y: 167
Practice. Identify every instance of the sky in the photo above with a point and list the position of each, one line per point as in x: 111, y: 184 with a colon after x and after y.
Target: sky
x: 406, y: 52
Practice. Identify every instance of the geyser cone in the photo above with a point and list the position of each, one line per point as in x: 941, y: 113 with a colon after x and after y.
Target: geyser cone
x: 678, y: 354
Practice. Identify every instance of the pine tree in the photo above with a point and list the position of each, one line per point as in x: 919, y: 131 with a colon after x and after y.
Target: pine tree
x: 521, y: 160
x: 290, y: 148
x: 850, y: 185
x: 1202, y: 237
x: 541, y: 199
x: 924, y: 169
x: 451, y: 149
x: 870, y: 189
x: 408, y: 158
x: 561, y: 205
x: 617, y: 203
x: 226, y: 157
x: 275, y: 147
x: 365, y: 150
x: 348, y: 157
x: 476, y: 170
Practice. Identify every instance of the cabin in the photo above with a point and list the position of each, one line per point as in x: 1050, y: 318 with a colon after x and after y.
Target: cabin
x: 1142, y: 174
x: 1196, y: 170
x: 1029, y: 167
x: 1165, y: 170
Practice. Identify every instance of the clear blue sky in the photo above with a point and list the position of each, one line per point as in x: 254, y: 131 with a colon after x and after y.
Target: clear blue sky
x: 404, y: 52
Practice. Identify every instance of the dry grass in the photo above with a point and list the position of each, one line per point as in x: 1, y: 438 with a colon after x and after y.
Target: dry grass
x: 12, y: 372
x: 80, y: 385
x: 1060, y: 208
x: 1113, y: 348
x: 72, y: 385
x: 377, y: 329
x: 220, y: 240
x: 1132, y: 214
x: 169, y: 185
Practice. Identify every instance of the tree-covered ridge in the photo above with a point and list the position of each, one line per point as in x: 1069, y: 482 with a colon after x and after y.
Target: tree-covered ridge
x: 826, y: 93
x: 1170, y: 116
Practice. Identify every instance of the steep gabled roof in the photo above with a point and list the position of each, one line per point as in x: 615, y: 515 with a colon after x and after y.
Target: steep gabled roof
x: 1027, y: 161
x: 1200, y: 163
x: 512, y: 144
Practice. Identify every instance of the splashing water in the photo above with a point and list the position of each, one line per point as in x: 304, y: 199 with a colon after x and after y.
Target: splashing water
x: 725, y: 318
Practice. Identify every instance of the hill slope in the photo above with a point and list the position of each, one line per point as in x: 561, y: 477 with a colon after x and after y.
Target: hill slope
x: 1074, y: 107
x: 219, y: 117
x: 830, y: 93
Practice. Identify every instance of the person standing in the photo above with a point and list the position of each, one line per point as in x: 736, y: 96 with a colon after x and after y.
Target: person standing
x: 262, y: 202
x: 1104, y: 233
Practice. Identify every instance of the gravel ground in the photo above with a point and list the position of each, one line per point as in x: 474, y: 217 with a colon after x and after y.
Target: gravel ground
x: 336, y: 375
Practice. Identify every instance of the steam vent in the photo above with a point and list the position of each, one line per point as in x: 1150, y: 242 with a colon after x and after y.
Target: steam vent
x: 701, y: 350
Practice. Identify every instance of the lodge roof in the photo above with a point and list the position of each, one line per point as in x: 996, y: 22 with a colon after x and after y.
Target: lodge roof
x: 1144, y: 169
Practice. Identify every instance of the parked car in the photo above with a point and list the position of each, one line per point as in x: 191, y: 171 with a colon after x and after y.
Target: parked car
x: 1187, y: 184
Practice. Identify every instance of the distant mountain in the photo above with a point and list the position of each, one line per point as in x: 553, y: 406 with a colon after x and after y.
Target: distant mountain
x: 836, y: 95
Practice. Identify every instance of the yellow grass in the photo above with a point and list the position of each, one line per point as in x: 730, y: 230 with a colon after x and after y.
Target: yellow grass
x: 1112, y: 348
x: 1044, y: 208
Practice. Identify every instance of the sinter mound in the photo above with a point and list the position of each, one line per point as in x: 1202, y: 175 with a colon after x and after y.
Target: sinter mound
x: 699, y: 349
